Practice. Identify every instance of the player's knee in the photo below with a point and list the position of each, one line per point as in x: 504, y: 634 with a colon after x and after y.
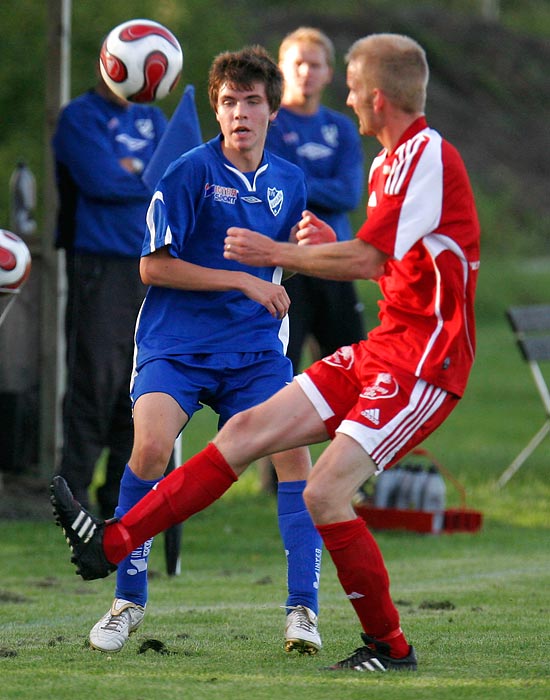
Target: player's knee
x: 241, y: 441
x: 150, y: 457
x: 241, y: 425
x: 317, y: 500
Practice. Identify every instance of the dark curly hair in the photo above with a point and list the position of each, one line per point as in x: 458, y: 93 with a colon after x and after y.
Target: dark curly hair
x: 241, y: 69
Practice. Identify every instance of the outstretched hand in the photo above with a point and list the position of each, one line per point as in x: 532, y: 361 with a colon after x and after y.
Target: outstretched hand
x: 255, y: 249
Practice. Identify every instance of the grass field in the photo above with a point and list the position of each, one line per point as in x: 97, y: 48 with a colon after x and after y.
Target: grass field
x: 475, y: 606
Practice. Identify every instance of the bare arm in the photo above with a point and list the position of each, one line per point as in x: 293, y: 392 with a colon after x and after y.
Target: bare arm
x: 160, y: 269
x: 347, y: 260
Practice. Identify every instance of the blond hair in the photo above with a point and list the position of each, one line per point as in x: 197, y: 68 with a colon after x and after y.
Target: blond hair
x: 396, y: 65
x: 308, y: 35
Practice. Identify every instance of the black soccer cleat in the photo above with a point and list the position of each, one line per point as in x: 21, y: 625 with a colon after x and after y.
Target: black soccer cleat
x: 375, y: 657
x: 83, y: 532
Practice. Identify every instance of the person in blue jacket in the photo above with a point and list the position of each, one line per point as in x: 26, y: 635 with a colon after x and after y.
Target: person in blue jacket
x: 326, y: 146
x: 101, y: 145
x: 325, y: 314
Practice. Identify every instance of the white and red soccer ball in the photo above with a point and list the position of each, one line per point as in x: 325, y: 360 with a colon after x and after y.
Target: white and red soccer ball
x: 141, y: 60
x: 15, y: 262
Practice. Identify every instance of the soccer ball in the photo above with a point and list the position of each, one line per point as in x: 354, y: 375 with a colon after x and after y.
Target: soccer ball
x: 15, y: 262
x: 141, y: 60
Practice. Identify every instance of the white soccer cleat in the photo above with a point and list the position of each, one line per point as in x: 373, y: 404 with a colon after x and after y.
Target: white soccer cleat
x: 111, y: 633
x: 301, y: 632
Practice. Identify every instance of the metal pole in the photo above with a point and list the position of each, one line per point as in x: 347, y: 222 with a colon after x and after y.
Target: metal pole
x: 53, y: 293
x: 490, y: 9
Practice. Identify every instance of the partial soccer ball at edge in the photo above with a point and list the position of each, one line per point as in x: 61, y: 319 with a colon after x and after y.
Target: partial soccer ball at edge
x: 15, y: 262
x: 141, y: 60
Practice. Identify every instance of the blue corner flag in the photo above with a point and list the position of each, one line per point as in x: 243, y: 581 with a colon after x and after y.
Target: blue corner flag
x: 183, y: 133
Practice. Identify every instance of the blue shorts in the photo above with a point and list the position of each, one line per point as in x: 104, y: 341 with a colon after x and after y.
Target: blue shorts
x: 227, y: 382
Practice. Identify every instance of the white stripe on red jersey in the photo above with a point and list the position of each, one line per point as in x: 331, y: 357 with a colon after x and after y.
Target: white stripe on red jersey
x: 421, y: 213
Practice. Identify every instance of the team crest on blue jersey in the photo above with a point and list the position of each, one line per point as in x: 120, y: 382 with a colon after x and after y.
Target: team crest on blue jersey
x: 275, y: 200
x: 330, y: 134
x: 146, y: 128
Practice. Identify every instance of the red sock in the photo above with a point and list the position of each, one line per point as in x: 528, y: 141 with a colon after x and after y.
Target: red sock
x: 185, y: 491
x: 363, y: 575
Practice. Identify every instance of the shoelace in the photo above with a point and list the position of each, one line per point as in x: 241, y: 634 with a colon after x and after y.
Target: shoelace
x: 113, y: 623
x: 303, y: 621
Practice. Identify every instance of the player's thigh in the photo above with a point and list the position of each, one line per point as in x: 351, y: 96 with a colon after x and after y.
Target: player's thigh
x: 255, y: 378
x: 183, y: 378
x: 285, y: 421
x: 248, y: 379
x: 158, y: 419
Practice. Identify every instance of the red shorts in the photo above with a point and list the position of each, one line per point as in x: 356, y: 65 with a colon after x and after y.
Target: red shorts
x: 386, y: 410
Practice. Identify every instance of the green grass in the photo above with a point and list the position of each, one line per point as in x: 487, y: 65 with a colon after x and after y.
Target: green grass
x: 474, y: 605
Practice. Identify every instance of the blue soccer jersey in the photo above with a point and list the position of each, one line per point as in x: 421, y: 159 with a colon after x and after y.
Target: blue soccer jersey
x: 327, y: 147
x: 201, y: 195
x: 102, y: 205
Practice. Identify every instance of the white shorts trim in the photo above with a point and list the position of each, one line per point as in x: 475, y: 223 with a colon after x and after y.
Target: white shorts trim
x: 314, y: 395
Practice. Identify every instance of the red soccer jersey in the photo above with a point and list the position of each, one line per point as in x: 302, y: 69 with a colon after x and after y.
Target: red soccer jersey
x: 421, y: 212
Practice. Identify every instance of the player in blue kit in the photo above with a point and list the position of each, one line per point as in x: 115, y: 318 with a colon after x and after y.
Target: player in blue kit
x: 214, y: 332
x: 326, y: 146
x: 101, y: 145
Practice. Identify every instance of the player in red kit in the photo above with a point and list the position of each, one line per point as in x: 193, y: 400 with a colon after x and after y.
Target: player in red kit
x: 376, y: 399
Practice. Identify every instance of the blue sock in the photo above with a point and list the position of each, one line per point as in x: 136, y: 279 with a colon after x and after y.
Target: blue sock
x: 302, y: 543
x: 131, y: 577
